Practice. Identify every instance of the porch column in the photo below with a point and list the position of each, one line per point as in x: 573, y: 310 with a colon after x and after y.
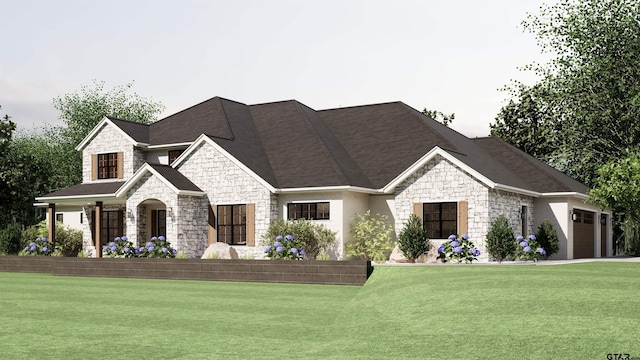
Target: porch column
x: 97, y: 226
x: 52, y: 224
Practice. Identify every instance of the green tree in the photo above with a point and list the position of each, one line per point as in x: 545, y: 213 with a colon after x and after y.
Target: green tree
x: 81, y: 111
x: 501, y: 243
x: 591, y: 86
x: 439, y: 116
x: 547, y: 237
x: 412, y: 240
x: 526, y: 124
x: 6, y: 132
x: 618, y: 186
x: 371, y: 237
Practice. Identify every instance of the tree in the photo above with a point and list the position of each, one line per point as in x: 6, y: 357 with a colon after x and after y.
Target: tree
x: 618, y: 186
x: 591, y: 87
x: 439, y: 116
x: 526, y: 124
x: 547, y: 237
x: 82, y: 111
x: 371, y: 237
x: 6, y: 131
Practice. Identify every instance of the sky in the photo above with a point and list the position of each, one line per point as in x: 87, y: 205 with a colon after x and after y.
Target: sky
x: 448, y: 55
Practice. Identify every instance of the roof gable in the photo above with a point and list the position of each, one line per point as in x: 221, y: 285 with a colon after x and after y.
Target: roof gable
x: 125, y: 128
x: 174, y: 180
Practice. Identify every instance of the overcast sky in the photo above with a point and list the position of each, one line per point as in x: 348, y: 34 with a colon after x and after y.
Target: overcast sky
x: 449, y: 55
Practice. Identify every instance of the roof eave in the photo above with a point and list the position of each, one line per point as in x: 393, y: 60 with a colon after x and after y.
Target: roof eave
x: 317, y: 189
x: 575, y: 194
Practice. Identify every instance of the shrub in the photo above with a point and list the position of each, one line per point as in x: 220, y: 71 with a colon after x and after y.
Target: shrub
x: 547, y: 237
x: 284, y: 248
x: 10, y: 239
x: 158, y: 247
x: 120, y: 247
x: 500, y: 244
x: 371, y: 237
x: 413, y: 241
x: 311, y: 237
x: 528, y: 249
x: 40, y: 247
x: 181, y: 255
x: 458, y: 249
x: 69, y: 240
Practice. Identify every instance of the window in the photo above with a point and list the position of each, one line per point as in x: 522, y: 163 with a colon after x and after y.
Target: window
x: 108, y: 166
x: 440, y: 219
x: 159, y: 223
x: 232, y: 224
x: 173, y: 155
x: 111, y: 225
x: 59, y: 217
x: 309, y: 211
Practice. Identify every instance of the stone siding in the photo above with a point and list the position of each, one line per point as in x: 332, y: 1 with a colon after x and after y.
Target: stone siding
x: 110, y: 140
x: 226, y: 183
x: 441, y: 181
x: 87, y: 241
x: 510, y: 205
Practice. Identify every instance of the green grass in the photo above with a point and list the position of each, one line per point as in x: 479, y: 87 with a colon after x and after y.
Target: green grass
x: 443, y: 312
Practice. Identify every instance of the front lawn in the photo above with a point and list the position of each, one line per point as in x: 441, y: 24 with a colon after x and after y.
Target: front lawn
x: 567, y: 311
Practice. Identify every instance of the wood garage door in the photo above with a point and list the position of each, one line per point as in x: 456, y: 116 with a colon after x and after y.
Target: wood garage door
x: 583, y: 234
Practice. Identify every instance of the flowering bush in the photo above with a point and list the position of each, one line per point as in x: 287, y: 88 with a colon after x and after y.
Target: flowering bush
x: 529, y: 249
x: 284, y: 248
x: 458, y: 249
x: 120, y: 247
x: 158, y: 247
x: 41, y: 246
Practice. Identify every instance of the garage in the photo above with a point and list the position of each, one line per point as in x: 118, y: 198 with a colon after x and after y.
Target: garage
x: 584, y: 229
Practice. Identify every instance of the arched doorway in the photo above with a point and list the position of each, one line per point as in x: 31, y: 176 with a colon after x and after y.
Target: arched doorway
x: 152, y: 215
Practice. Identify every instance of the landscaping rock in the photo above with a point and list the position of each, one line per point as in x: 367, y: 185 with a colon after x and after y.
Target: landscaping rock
x: 223, y: 251
x: 396, y: 256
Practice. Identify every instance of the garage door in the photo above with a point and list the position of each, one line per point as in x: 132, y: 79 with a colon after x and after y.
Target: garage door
x: 583, y: 234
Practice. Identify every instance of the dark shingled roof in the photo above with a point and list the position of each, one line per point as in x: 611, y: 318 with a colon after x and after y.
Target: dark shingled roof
x: 290, y: 145
x: 175, y: 177
x: 538, y: 176
x: 101, y: 188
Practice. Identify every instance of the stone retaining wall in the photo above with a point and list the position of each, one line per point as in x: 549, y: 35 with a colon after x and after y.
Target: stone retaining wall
x: 353, y: 272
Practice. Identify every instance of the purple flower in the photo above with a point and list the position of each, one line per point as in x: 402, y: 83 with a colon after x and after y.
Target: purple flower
x: 125, y: 238
x: 452, y: 237
x: 151, y: 248
x: 279, y: 249
x: 174, y: 251
x: 519, y: 238
x: 277, y: 244
x: 104, y: 248
x: 26, y: 249
x: 112, y: 244
x: 32, y: 244
x: 288, y: 237
x: 137, y: 251
x: 45, y: 249
x: 279, y: 238
x: 541, y: 251
x: 33, y: 248
x: 524, y: 244
x: 532, y: 237
x: 38, y: 239
x: 154, y: 238
x: 454, y: 243
x: 267, y: 249
x: 127, y: 250
x: 44, y: 239
x: 457, y: 249
x: 164, y: 250
x: 149, y: 244
x: 162, y: 238
x: 302, y: 253
x: 294, y: 250
x: 475, y: 252
x: 140, y: 250
x: 440, y: 249
x: 465, y: 236
x: 113, y: 248
x: 526, y: 249
x: 117, y: 238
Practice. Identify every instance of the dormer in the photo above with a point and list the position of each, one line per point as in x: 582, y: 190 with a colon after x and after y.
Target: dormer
x: 113, y: 150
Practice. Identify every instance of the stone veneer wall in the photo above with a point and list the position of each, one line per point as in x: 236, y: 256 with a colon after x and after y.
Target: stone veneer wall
x: 87, y: 241
x: 110, y: 140
x: 193, y: 226
x: 441, y: 181
x: 150, y: 187
x: 226, y: 183
x: 510, y: 204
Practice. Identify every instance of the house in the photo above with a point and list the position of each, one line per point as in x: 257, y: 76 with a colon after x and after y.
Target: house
x: 221, y: 171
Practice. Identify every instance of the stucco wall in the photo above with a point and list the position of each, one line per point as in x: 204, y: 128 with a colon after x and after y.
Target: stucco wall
x: 556, y: 211
x: 110, y: 140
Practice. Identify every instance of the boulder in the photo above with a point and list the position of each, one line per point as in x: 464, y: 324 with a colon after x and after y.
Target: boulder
x: 397, y: 256
x: 222, y: 250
